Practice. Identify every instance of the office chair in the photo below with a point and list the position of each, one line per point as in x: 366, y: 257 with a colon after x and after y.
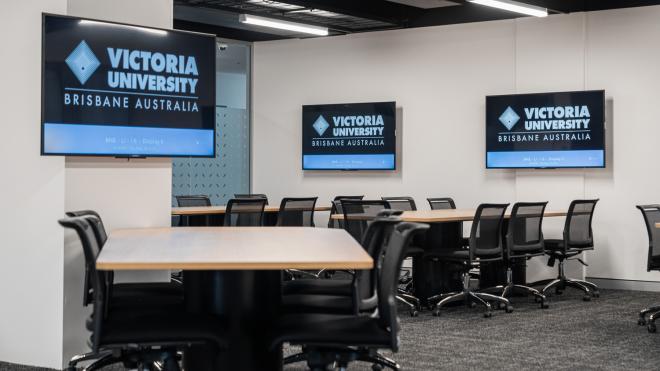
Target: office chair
x: 524, y: 240
x: 343, y: 296
x: 193, y: 201
x: 441, y: 203
x: 577, y: 237
x: 358, y: 214
x: 296, y: 212
x: 651, y: 214
x: 329, y: 339
x: 133, y: 334
x: 404, y: 203
x: 151, y: 293
x: 245, y: 212
x: 485, y: 245
x: 406, y: 282
x: 251, y: 195
x: 336, y: 208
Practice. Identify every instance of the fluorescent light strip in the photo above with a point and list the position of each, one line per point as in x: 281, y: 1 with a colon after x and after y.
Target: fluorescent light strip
x: 282, y: 25
x: 144, y: 29
x: 514, y: 6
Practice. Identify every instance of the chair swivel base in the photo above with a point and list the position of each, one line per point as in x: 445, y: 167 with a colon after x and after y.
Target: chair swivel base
x: 321, y: 359
x: 469, y: 296
x: 510, y: 288
x: 654, y: 313
x: 561, y: 283
x: 413, y: 303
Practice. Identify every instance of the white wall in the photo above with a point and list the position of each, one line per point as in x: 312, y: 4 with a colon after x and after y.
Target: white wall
x: 33, y: 197
x: 439, y: 77
x: 134, y: 193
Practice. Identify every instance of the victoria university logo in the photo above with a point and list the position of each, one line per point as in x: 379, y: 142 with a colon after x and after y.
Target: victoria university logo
x: 509, y: 118
x: 82, y: 62
x: 321, y: 125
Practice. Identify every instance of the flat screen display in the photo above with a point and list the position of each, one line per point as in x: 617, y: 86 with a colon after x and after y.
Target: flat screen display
x: 548, y: 130
x: 112, y: 89
x: 356, y: 136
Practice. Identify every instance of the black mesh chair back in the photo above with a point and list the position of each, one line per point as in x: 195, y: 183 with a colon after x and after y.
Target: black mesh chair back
x: 244, y: 212
x: 97, y: 226
x: 577, y: 230
x: 296, y: 212
x: 336, y: 208
x: 252, y: 195
x: 441, y: 203
x: 95, y: 222
x: 651, y: 214
x: 358, y: 214
x: 486, y: 232
x: 404, y: 203
x: 365, y: 281
x: 97, y: 279
x: 193, y: 200
x: 388, y: 281
x: 524, y: 234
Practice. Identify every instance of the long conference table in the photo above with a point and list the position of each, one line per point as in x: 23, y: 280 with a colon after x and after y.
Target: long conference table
x: 236, y: 273
x: 431, y: 278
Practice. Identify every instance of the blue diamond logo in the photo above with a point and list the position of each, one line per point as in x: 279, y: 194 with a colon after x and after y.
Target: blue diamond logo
x: 82, y: 62
x: 320, y: 125
x: 509, y: 118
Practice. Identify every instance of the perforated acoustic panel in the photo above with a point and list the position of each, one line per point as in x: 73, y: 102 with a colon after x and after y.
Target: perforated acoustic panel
x: 226, y: 174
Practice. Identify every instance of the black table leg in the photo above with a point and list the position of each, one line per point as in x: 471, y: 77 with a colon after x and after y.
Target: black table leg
x: 250, y: 302
x: 431, y: 278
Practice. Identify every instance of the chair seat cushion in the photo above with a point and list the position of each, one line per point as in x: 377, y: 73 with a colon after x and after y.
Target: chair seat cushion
x: 448, y: 254
x: 330, y: 330
x: 413, y: 251
x: 318, y: 287
x: 555, y: 247
x: 333, y: 304
x: 135, y: 328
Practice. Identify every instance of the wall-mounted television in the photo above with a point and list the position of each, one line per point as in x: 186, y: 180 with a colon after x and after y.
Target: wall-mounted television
x: 355, y: 136
x: 547, y: 130
x: 111, y: 89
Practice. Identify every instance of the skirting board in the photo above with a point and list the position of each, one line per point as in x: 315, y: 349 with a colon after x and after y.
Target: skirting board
x: 617, y: 284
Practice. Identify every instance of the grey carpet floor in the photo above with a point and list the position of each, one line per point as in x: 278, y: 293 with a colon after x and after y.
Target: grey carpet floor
x: 571, y: 334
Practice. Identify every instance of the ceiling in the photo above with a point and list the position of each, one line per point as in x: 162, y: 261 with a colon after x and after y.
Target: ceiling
x: 341, y: 17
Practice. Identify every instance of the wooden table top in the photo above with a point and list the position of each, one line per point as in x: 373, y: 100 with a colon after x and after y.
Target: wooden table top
x: 207, y: 210
x: 232, y: 248
x: 657, y: 225
x: 448, y: 215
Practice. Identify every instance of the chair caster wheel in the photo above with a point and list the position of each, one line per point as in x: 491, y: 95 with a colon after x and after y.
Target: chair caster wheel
x: 651, y: 327
x: 586, y: 298
x: 414, y: 313
x: 71, y: 368
x: 501, y: 306
x: 509, y: 308
x: 488, y: 315
x: 376, y: 367
x: 537, y: 299
x: 472, y: 305
x: 641, y: 321
x: 544, y: 305
x: 436, y: 312
x: 596, y: 294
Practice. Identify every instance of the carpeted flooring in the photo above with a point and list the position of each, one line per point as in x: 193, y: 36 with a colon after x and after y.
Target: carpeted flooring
x: 572, y: 334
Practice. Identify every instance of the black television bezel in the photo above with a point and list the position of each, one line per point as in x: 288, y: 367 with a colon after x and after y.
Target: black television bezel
x: 129, y: 156
x: 302, y: 145
x: 548, y: 167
